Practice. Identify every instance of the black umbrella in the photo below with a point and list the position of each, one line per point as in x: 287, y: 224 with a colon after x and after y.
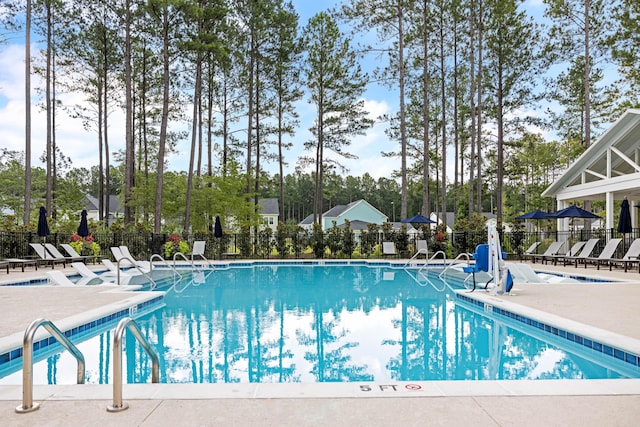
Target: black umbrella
x: 43, y: 225
x: 624, y: 222
x: 83, y: 228
x: 217, y: 228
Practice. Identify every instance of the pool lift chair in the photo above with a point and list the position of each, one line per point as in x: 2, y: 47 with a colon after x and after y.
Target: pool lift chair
x: 490, y: 260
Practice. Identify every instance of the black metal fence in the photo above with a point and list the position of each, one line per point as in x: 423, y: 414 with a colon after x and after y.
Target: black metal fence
x: 143, y: 244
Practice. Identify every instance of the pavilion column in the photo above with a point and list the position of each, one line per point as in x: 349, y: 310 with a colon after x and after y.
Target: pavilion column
x: 563, y: 223
x: 634, y: 213
x: 609, y: 206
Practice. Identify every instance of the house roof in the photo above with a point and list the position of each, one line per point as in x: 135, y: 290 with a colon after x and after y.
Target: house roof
x: 269, y: 206
x: 91, y: 203
x: 609, y: 165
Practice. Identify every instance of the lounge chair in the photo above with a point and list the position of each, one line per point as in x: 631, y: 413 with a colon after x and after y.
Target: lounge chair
x: 19, y: 262
x: 585, y: 252
x: 531, y: 250
x: 575, y: 249
x: 46, y: 257
x: 57, y: 254
x: 389, y: 249
x: 631, y: 257
x: 422, y: 248
x: 606, y: 254
x: 60, y: 279
x: 553, y: 250
x: 83, y: 270
x: 72, y: 252
x: 124, y: 250
x: 198, y: 251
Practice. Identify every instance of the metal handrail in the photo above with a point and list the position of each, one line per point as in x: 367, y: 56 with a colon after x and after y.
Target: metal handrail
x: 118, y: 405
x: 157, y: 256
x: 180, y: 254
x: 135, y: 266
x: 453, y: 263
x: 27, y: 361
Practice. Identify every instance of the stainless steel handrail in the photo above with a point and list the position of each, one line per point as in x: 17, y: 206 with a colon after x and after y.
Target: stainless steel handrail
x: 135, y: 266
x: 180, y: 254
x: 453, y: 263
x: 172, y: 267
x: 27, y: 361
x: 118, y: 405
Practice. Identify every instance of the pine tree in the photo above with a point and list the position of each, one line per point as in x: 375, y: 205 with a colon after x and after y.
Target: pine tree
x: 336, y: 83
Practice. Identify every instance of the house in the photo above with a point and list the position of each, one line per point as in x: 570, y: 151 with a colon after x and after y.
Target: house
x: 91, y: 206
x: 270, y: 212
x: 359, y: 213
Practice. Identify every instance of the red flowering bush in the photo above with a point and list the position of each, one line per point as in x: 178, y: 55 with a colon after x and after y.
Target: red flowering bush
x: 174, y: 245
x: 86, y: 246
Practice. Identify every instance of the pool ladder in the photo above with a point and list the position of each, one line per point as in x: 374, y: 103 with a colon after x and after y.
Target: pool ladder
x: 118, y: 405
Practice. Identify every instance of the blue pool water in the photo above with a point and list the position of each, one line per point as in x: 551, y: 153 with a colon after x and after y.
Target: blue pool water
x: 279, y: 323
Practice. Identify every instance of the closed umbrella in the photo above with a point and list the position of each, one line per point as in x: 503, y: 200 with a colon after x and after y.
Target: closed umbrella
x: 43, y: 225
x: 217, y: 228
x: 83, y: 228
x: 624, y: 222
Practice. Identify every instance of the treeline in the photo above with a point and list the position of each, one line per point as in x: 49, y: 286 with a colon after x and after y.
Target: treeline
x: 468, y: 76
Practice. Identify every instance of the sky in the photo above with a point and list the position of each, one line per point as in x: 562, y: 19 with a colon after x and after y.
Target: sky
x: 81, y: 145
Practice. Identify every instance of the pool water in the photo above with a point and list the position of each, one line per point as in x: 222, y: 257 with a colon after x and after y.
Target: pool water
x: 294, y: 323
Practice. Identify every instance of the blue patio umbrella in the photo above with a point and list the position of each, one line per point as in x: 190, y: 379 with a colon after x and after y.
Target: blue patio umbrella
x: 83, y: 228
x: 217, y: 228
x: 43, y: 225
x: 573, y: 211
x: 537, y: 214
x: 418, y: 219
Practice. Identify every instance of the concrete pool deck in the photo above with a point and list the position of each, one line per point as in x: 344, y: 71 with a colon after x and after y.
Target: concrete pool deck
x: 611, y: 307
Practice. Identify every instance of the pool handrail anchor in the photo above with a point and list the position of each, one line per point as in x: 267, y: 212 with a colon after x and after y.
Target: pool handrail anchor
x: 128, y: 323
x: 27, y: 361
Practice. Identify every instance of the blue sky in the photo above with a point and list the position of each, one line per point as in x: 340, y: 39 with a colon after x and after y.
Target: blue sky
x: 81, y: 145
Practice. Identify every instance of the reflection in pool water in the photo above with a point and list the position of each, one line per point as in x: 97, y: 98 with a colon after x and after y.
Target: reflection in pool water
x: 324, y: 324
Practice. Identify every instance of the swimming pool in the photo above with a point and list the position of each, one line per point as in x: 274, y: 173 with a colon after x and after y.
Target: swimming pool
x: 329, y: 323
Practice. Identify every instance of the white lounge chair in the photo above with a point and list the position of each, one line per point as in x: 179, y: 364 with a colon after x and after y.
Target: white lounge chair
x: 606, y: 254
x: 57, y: 254
x: 389, y: 249
x: 145, y: 265
x: 586, y: 251
x: 422, y: 248
x: 632, y: 256
x: 554, y: 249
x: 198, y: 251
x: 72, y: 252
x: 58, y: 278
x: 46, y: 257
x: 575, y: 249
